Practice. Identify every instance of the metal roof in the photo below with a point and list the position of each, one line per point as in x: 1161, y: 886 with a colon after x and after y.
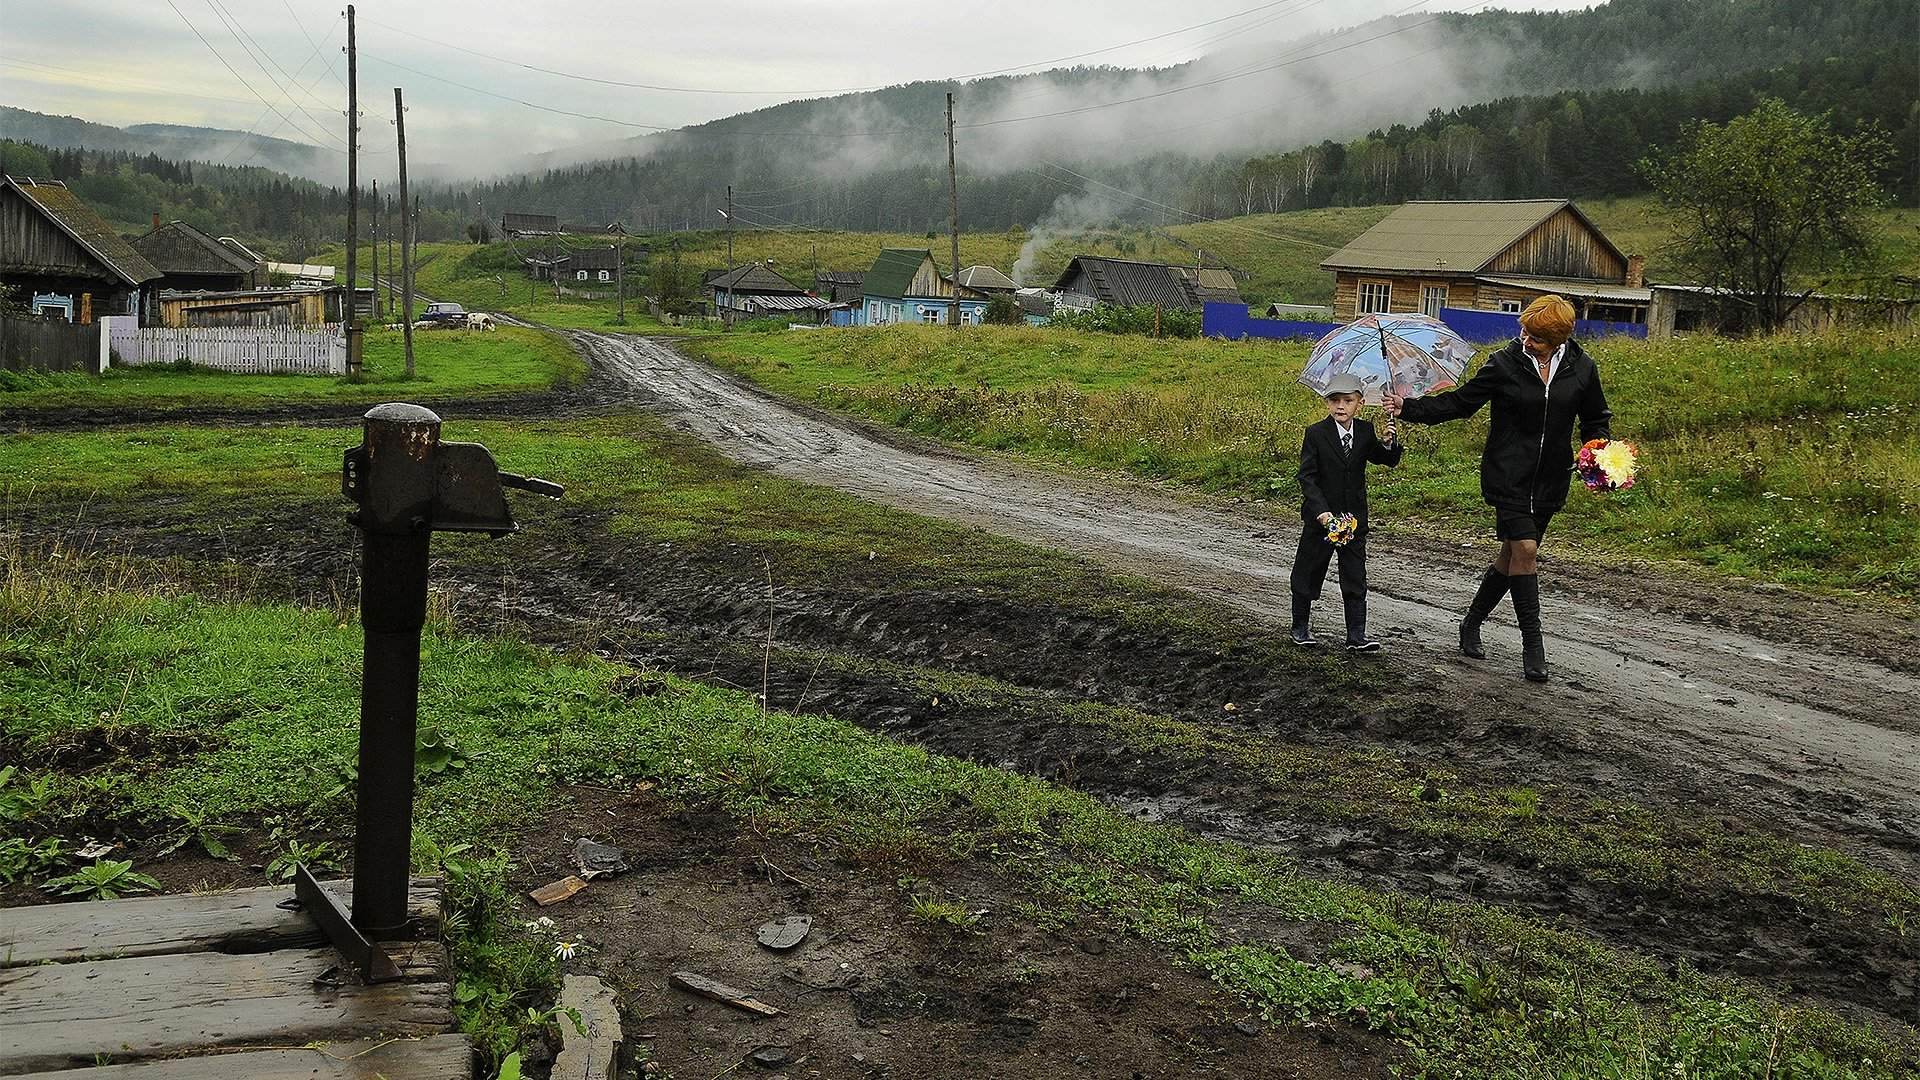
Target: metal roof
x: 892, y: 273
x: 1450, y: 237
x: 982, y: 276
x: 1129, y: 283
x: 78, y: 220
x: 753, y: 278
x: 1588, y: 290
x: 777, y: 302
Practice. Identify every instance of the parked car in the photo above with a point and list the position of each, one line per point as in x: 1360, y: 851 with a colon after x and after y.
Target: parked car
x: 444, y: 312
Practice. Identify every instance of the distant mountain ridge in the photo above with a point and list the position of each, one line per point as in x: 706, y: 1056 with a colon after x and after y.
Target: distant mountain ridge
x: 175, y: 142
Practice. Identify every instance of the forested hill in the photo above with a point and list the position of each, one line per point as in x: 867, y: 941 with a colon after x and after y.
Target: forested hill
x: 820, y: 162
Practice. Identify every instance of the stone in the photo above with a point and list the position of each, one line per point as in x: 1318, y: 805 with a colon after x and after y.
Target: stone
x: 785, y: 933
x: 770, y: 1057
x: 598, y: 860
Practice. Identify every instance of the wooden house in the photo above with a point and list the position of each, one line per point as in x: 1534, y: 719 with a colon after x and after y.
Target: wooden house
x: 62, y: 258
x: 191, y: 261
x: 754, y: 291
x: 839, y: 286
x: 905, y: 285
x: 1495, y: 255
x: 595, y: 264
x: 1091, y: 280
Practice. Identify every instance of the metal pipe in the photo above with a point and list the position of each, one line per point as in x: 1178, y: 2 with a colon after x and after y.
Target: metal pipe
x: 395, y: 523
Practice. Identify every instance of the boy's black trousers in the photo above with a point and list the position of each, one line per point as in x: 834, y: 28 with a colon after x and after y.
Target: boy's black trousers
x: 1310, y: 572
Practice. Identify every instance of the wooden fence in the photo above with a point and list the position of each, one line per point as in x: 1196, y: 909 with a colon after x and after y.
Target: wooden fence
x: 276, y: 350
x: 49, y: 345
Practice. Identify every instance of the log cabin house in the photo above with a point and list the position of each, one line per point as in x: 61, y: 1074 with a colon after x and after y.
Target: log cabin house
x: 63, y: 258
x: 1495, y: 255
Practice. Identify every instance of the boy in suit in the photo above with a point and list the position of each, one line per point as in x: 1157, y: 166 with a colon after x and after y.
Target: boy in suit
x: 1333, y: 481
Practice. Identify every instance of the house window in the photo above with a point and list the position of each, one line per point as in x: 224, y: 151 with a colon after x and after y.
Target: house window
x: 580, y: 275
x: 930, y: 315
x: 606, y: 275
x: 1375, y: 296
x: 1510, y: 307
x: 896, y: 313
x: 1432, y: 299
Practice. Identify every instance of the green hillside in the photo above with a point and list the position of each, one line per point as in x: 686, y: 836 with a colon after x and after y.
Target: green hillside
x: 1281, y: 253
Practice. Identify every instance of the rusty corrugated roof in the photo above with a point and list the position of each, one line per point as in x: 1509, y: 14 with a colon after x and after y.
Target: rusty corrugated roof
x: 1456, y: 237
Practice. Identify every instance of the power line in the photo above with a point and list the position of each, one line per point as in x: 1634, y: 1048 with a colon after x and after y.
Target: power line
x: 237, y: 76
x: 253, y: 51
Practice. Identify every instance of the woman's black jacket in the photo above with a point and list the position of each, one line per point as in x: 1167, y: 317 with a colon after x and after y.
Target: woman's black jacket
x: 1529, y: 456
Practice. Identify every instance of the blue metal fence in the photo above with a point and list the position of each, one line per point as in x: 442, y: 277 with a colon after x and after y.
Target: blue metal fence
x: 1234, y: 322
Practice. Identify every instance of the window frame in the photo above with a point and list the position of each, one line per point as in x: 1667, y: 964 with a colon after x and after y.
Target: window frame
x: 1511, y: 307
x: 1427, y: 288
x: 1360, y: 296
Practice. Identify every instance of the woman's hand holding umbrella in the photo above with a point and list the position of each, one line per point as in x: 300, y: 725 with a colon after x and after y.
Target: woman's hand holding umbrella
x: 1391, y: 403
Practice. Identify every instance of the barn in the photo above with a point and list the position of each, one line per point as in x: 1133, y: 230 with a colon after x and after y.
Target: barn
x: 1089, y: 280
x: 190, y: 260
x: 516, y: 224
x: 64, y: 260
x: 1490, y: 255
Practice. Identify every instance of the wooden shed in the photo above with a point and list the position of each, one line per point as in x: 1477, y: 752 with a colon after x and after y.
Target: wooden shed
x: 62, y: 257
x: 189, y: 259
x: 299, y: 306
x: 1090, y: 279
x: 1494, y: 255
x: 517, y: 224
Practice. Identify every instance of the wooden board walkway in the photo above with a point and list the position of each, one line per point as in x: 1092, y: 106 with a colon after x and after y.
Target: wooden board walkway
x: 218, y: 985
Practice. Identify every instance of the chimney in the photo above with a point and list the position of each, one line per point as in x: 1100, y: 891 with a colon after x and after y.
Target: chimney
x: 1636, y: 271
x: 156, y: 219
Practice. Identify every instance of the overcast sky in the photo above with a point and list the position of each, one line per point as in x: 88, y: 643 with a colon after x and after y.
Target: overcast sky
x: 124, y: 62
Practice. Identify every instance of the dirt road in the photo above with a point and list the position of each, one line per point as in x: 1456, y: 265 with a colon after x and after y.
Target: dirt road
x: 1799, y: 709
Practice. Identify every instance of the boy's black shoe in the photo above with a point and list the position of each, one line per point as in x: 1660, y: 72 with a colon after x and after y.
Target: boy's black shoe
x: 1303, y: 635
x: 1363, y: 645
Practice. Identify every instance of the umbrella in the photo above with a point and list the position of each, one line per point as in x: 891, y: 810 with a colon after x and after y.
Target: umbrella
x: 1410, y: 355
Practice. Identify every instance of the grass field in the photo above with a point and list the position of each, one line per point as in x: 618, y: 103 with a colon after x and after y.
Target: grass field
x: 255, y: 703
x: 1792, y: 459
x: 1280, y: 252
x: 447, y: 364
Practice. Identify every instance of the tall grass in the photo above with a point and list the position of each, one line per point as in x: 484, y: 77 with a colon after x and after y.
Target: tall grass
x: 1795, y: 458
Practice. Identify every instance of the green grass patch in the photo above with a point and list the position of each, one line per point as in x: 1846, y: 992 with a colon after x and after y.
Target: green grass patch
x: 447, y: 364
x: 1793, y: 459
x: 267, y: 694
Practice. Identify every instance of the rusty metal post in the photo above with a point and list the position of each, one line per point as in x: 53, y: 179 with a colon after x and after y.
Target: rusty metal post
x: 396, y: 521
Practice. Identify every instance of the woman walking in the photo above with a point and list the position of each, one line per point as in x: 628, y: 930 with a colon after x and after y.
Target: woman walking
x: 1538, y: 386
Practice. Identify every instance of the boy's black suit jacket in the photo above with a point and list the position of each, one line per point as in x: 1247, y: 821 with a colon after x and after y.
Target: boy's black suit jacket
x: 1332, y: 483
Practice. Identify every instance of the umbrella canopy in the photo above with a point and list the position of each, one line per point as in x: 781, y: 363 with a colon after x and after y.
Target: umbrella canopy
x: 1409, y: 355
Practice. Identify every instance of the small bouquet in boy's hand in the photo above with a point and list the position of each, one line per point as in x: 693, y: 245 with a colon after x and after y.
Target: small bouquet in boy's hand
x: 1342, y: 529
x: 1606, y: 464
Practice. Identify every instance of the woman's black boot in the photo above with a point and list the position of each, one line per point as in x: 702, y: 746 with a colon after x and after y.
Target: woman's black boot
x: 1493, y: 586
x: 1526, y: 608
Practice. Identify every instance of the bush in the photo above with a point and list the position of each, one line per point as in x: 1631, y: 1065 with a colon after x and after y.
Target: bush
x: 1139, y: 319
x: 1003, y: 310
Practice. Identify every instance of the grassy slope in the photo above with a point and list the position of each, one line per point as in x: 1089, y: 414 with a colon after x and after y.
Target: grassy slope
x: 1791, y: 460
x: 447, y: 364
x: 1468, y: 987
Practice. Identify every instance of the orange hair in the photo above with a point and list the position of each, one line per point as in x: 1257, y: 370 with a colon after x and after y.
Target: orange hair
x: 1549, y: 318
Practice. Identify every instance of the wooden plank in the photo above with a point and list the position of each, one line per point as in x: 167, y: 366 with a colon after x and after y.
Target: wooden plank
x: 589, y: 1055
x: 436, y: 1057
x: 554, y: 892
x: 715, y: 989
x: 156, y: 1006
x: 243, y: 920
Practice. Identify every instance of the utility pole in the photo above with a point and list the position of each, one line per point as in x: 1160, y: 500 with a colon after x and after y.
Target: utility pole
x: 374, y: 254
x: 387, y: 231
x: 406, y: 235
x: 620, y: 279
x: 353, y: 200
x: 723, y: 318
x: 953, y: 219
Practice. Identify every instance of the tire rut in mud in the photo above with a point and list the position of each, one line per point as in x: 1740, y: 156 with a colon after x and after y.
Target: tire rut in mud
x: 704, y: 615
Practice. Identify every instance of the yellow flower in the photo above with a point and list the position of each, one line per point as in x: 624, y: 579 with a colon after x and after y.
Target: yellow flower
x: 1616, y: 460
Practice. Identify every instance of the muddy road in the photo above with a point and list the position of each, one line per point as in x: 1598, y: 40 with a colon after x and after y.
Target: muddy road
x: 1791, y: 705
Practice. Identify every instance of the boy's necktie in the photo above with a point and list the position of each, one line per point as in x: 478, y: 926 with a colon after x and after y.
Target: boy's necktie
x: 1346, y: 443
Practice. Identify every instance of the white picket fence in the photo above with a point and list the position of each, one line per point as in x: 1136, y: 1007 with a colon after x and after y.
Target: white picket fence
x: 258, y: 350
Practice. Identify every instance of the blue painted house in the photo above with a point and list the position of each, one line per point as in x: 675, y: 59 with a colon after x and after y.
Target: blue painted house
x: 904, y: 286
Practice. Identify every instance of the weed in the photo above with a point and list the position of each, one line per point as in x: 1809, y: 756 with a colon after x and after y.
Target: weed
x: 298, y: 853
x: 22, y: 800
x: 943, y: 913
x: 107, y: 879
x: 191, y: 826
x: 22, y: 859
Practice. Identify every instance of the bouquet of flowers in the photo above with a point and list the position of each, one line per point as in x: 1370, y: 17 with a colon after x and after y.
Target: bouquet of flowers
x: 1606, y: 464
x: 1342, y: 529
